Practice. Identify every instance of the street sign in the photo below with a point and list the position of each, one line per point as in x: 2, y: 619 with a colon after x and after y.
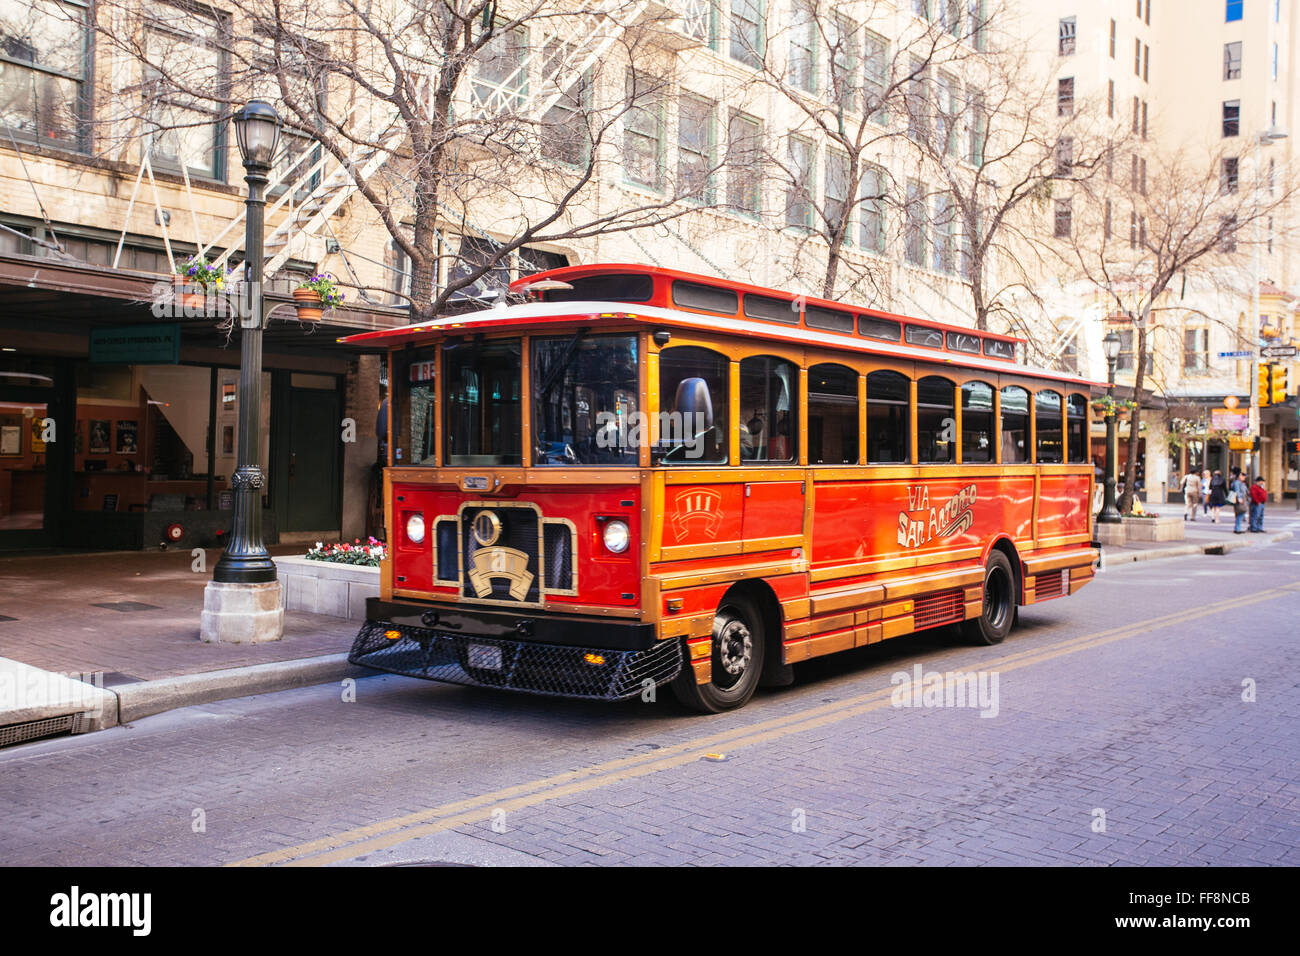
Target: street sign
x: 1277, y: 351
x: 1234, y: 355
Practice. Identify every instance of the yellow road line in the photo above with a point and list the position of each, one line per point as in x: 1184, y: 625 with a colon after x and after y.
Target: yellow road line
x: 349, y: 844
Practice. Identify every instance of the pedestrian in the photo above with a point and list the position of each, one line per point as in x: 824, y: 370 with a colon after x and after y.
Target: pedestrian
x: 1191, y: 495
x: 1218, y: 494
x: 1239, y: 498
x: 1257, y: 498
x: 1205, y: 491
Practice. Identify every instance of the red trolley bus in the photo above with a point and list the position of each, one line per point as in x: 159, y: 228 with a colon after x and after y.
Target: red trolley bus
x: 641, y: 476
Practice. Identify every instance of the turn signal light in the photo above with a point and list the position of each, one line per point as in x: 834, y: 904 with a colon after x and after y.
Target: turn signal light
x: 392, y: 635
x: 597, y: 660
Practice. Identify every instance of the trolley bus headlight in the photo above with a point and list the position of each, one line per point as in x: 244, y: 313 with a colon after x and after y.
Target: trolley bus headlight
x: 415, y: 529
x: 617, y: 536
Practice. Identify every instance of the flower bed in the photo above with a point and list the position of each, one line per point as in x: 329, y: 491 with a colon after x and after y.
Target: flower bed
x: 366, y: 555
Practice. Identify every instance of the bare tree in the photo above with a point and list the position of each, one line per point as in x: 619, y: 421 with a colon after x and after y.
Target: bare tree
x: 1175, y: 215
x: 470, y: 129
x: 849, y: 77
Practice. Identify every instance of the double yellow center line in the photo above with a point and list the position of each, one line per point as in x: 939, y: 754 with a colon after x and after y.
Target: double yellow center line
x: 349, y: 844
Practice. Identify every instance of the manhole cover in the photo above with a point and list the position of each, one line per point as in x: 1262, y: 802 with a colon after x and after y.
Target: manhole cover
x: 127, y: 606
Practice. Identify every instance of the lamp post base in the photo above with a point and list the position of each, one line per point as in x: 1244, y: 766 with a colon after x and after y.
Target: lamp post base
x: 1104, y: 533
x: 242, y: 613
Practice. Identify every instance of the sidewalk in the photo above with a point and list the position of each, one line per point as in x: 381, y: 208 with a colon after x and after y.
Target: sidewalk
x: 127, y: 624
x: 1204, y: 536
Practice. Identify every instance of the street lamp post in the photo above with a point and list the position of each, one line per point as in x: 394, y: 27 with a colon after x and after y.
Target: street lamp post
x: 1109, y: 513
x: 242, y: 602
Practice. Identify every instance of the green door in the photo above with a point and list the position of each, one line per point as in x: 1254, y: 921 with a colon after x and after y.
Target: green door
x: 309, y: 461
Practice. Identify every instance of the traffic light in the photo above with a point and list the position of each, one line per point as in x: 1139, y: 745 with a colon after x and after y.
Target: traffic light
x: 1277, y: 387
x: 1262, y: 387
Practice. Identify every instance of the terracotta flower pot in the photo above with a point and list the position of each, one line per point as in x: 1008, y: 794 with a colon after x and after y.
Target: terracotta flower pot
x: 309, y: 306
x: 188, y: 297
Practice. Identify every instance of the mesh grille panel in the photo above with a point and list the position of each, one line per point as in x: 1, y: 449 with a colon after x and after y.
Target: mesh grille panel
x: 518, y: 533
x: 35, y: 729
x: 943, y: 607
x: 558, y: 542
x: 515, y: 665
x: 448, y: 568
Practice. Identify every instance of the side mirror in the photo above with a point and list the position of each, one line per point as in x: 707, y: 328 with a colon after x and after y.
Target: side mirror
x: 692, y: 400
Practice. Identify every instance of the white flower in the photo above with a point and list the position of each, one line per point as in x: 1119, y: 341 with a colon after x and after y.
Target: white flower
x: 319, y: 545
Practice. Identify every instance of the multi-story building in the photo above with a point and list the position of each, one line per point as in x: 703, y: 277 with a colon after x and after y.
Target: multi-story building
x: 118, y: 164
x: 1210, y: 81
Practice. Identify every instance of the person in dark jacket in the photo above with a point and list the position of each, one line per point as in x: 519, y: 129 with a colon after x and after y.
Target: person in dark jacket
x: 1218, y: 494
x: 1240, y: 501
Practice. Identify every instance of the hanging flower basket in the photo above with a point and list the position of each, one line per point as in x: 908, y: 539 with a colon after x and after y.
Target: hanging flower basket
x: 309, y: 304
x: 193, y: 279
x: 319, y: 292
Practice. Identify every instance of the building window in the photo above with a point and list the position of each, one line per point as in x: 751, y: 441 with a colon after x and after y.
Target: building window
x: 1112, y: 39
x: 1146, y: 14
x: 566, y: 138
x: 978, y: 129
x: 1105, y: 222
x: 1062, y: 222
x: 1146, y: 63
x: 1065, y: 157
x: 843, y: 64
x: 1137, y: 118
x: 872, y: 198
x: 1142, y: 231
x: 914, y: 237
x: 1233, y: 10
x: 643, y: 133
x: 837, y: 194
x: 1133, y: 229
x: 45, y: 48
x: 501, y: 76
x: 1065, y: 96
x: 945, y: 119
x: 695, y: 148
x: 1144, y: 119
x: 1133, y: 171
x: 1196, y: 350
x: 799, y: 197
x: 1228, y: 234
x: 1231, y: 117
x: 744, y: 163
x: 397, y: 273
x: 1127, y: 359
x: 1110, y: 98
x: 1275, y: 61
x: 802, y: 67
x: 1232, y: 60
x: 1137, y: 57
x: 945, y: 216
x: 917, y: 99
x: 181, y: 127
x: 875, y: 63
x: 747, y: 32
x: 1143, y: 186
x: 1228, y: 175
x: 1065, y: 41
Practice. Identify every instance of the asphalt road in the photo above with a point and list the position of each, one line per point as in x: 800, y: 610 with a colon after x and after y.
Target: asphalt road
x: 1152, y: 718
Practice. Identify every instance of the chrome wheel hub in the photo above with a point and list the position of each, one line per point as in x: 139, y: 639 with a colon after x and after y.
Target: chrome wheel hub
x: 735, y: 646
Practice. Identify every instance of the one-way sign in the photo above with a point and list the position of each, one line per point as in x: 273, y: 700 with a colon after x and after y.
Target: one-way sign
x: 1277, y: 351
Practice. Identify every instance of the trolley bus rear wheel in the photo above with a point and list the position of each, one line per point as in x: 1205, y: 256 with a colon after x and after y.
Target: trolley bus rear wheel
x: 739, y: 645
x: 999, y: 610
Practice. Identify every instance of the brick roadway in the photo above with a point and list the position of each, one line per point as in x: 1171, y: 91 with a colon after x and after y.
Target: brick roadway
x: 1145, y: 723
x: 58, y: 627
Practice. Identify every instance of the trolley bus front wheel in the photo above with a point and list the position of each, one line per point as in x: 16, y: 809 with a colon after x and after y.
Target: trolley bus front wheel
x: 739, y: 645
x: 999, y: 610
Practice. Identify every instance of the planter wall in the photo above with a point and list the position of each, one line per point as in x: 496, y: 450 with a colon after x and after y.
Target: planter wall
x: 1154, y: 529
x: 321, y: 587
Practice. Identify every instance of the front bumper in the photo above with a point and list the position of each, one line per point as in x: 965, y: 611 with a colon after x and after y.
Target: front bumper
x: 538, y: 654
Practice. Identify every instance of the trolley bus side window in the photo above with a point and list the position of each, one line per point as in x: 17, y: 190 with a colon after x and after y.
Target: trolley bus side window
x: 769, y: 391
x: 1015, y: 425
x: 976, y: 423
x: 936, y: 420
x: 415, y: 426
x: 889, y: 431
x: 693, y: 405
x: 832, y: 415
x: 1047, y: 412
x: 1077, y: 428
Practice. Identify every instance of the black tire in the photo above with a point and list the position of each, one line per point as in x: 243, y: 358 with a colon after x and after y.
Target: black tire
x: 739, y: 648
x: 998, y: 614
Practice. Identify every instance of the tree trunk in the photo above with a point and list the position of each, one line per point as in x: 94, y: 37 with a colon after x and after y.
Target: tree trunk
x: 1135, y: 419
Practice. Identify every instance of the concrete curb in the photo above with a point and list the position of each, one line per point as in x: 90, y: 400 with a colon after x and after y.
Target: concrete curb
x: 1212, y: 547
x: 156, y: 696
